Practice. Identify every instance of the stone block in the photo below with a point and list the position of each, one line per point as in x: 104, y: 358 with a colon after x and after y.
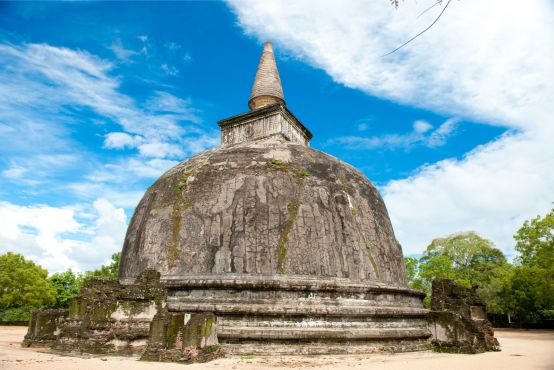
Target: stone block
x: 200, y: 331
x: 44, y: 327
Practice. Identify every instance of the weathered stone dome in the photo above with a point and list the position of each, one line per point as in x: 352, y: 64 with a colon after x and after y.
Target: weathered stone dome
x: 265, y: 207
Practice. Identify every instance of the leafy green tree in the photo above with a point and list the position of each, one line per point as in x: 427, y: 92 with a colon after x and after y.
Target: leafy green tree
x: 533, y: 278
x: 535, y: 242
x: 23, y: 287
x: 67, y: 284
x: 466, y: 258
x: 497, y: 293
x: 109, y: 270
x: 411, y: 264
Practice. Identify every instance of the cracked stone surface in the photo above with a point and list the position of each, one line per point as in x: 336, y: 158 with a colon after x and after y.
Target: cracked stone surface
x: 263, y: 207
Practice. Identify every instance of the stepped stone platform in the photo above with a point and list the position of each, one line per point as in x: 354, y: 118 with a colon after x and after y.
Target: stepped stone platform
x: 295, y: 314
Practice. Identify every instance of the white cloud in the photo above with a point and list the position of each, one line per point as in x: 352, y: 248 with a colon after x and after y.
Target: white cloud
x: 187, y: 57
x: 439, y: 136
x: 145, y: 44
x: 365, y: 124
x: 172, y: 46
x: 120, y: 140
x: 120, y: 196
x: 421, y: 126
x: 160, y: 150
x: 169, y: 69
x: 121, y: 171
x: 484, y: 61
x: 121, y: 52
x: 14, y: 172
x: 56, y: 239
x: 489, y: 62
x: 420, y: 135
x: 33, y: 169
x: 492, y: 190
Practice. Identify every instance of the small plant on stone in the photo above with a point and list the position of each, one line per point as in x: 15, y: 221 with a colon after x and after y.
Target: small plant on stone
x: 278, y: 164
x: 183, y: 181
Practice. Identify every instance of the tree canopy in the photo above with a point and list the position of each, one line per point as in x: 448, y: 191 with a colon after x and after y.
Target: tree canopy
x: 67, y: 284
x: 533, y: 276
x: 465, y: 258
x: 24, y: 286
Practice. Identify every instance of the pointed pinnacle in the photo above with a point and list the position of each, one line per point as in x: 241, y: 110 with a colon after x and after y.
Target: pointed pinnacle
x: 267, y: 88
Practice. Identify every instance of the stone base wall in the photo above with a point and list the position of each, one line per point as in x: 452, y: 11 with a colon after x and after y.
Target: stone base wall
x: 200, y: 318
x: 298, y: 315
x: 106, y: 318
x: 44, y: 327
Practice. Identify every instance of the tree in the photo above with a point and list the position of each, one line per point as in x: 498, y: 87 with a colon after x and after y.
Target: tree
x: 497, y: 293
x: 110, y: 270
x: 411, y: 264
x: 466, y: 258
x: 23, y: 287
x: 67, y: 284
x: 535, y: 242
x: 533, y: 278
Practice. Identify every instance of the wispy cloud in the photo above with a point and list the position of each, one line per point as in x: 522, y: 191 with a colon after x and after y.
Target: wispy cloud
x: 169, y: 69
x: 121, y: 53
x: 49, y: 79
x: 422, y: 134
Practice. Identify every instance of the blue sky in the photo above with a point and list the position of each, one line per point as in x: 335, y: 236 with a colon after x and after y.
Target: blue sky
x: 98, y: 99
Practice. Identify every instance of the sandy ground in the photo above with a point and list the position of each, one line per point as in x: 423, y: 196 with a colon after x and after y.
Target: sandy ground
x: 520, y: 350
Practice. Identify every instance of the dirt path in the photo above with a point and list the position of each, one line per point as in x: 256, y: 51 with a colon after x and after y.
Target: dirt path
x: 520, y: 350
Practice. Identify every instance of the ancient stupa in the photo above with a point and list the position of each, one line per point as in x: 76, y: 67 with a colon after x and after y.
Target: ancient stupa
x: 286, y: 248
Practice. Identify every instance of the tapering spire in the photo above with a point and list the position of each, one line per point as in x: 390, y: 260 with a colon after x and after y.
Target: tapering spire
x: 267, y: 88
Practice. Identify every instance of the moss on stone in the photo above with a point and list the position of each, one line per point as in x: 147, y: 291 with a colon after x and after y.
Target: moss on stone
x: 157, y: 330
x: 292, y: 214
x: 100, y: 313
x: 300, y: 174
x: 180, y: 206
x: 133, y: 307
x: 210, y: 353
x: 182, y: 184
x: 174, y: 330
x: 199, y: 330
x: 370, y: 256
x: 176, y: 219
x: 76, y: 308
